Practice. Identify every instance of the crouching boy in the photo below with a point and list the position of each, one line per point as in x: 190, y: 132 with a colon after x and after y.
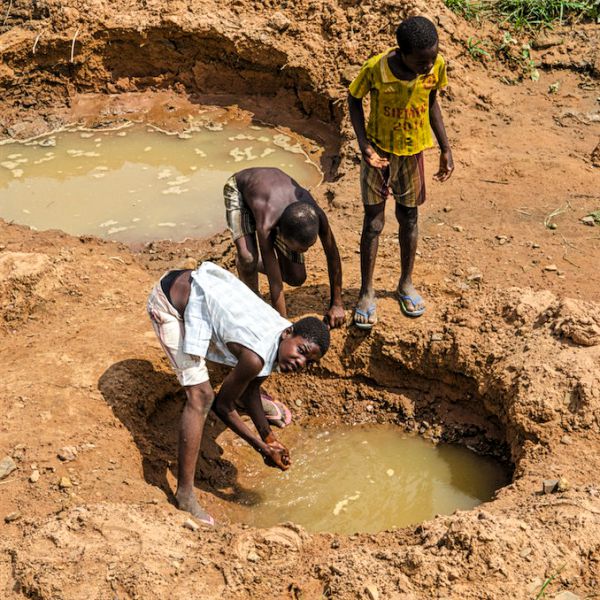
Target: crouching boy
x: 209, y: 314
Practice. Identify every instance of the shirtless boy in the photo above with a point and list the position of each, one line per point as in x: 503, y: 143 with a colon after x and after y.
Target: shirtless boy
x: 209, y: 314
x: 274, y: 221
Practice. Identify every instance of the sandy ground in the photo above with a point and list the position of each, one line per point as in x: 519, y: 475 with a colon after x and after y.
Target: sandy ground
x: 506, y: 359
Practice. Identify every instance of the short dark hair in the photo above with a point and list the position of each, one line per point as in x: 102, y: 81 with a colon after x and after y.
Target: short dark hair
x: 313, y: 330
x: 300, y: 222
x: 416, y: 33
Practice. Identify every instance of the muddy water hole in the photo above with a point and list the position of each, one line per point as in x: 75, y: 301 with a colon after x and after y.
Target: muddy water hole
x: 454, y: 456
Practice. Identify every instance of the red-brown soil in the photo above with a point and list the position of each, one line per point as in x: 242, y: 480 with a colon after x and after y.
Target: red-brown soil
x: 506, y: 358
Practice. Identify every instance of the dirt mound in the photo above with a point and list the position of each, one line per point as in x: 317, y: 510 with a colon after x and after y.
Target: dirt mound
x: 26, y: 280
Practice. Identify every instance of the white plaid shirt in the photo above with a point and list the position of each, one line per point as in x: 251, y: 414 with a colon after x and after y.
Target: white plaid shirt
x: 223, y: 309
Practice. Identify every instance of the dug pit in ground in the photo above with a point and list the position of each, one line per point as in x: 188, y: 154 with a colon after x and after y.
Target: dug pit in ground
x: 478, y: 381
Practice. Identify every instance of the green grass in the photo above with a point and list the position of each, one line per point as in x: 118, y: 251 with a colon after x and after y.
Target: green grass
x: 543, y: 13
x: 542, y: 593
x: 469, y: 9
x: 527, y: 14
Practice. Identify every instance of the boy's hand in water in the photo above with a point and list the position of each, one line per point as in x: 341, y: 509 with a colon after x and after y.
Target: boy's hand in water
x: 446, y: 166
x: 372, y: 158
x: 276, y: 455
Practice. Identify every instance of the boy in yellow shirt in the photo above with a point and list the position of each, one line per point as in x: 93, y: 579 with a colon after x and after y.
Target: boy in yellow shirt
x: 402, y: 83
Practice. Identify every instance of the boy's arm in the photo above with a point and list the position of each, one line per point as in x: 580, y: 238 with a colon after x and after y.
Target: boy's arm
x: 253, y: 405
x: 272, y: 270
x: 335, y: 315
x: 357, y: 117
x: 437, y: 124
x: 233, y: 387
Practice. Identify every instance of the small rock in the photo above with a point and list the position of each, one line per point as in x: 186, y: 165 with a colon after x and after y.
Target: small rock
x: 64, y: 483
x: 475, y: 277
x: 67, y: 453
x: 550, y: 268
x: 253, y: 557
x: 502, y: 239
x: 546, y: 40
x: 458, y: 228
x: 370, y: 408
x: 525, y: 552
x: 534, y: 585
x: 535, y: 246
x: 7, y: 466
x: 595, y: 156
x: 589, y: 220
x: 279, y: 21
x: 19, y: 450
x: 437, y: 337
x: 191, y: 525
x: 566, y: 440
x: 371, y: 591
x: 35, y: 476
x: 350, y: 73
x: 549, y: 486
x: 298, y: 403
x: 446, y: 24
x: 566, y: 596
x: 13, y: 516
x: 563, y: 485
x: 447, y: 208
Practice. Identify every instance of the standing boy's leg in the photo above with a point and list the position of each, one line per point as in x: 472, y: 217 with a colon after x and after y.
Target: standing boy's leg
x: 199, y: 400
x: 408, y: 186
x: 374, y: 220
x: 374, y: 189
x: 408, y: 233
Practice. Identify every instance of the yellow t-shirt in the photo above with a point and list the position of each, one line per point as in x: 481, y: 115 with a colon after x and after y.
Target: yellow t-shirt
x: 399, y: 117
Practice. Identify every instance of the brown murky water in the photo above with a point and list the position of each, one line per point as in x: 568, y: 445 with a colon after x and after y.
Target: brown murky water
x: 365, y: 479
x: 138, y: 184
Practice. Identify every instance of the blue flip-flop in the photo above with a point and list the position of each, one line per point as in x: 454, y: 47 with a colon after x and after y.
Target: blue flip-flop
x: 414, y: 300
x: 367, y: 315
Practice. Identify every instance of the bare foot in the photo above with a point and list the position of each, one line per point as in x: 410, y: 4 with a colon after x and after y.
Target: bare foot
x: 188, y: 503
x: 365, y: 315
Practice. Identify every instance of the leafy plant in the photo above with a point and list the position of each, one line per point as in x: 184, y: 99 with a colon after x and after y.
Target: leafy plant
x: 518, y: 56
x: 475, y: 48
x: 528, y: 63
x: 554, y: 87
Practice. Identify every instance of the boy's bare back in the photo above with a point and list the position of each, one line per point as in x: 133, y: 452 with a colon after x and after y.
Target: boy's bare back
x: 268, y: 192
